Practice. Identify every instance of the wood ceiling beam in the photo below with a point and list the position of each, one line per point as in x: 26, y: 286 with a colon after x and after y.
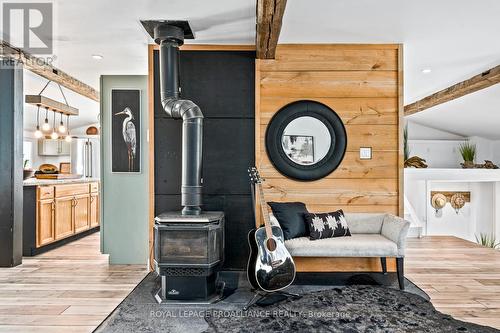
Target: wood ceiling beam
x: 40, y: 67
x: 49, y: 103
x: 475, y: 83
x: 269, y: 19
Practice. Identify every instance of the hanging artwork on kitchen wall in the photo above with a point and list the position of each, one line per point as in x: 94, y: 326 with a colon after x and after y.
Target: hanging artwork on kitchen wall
x: 125, y: 130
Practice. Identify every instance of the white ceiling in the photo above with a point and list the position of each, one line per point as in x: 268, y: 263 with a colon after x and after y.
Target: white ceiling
x: 454, y: 38
x: 112, y: 29
x: 477, y: 114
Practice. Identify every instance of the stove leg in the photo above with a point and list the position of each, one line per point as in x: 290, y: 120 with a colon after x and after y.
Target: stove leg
x: 163, y: 287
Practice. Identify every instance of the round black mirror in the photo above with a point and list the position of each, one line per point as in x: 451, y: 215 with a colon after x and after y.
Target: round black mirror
x: 306, y: 140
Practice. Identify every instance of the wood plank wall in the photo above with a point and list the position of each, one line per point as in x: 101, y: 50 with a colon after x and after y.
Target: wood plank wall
x: 363, y: 84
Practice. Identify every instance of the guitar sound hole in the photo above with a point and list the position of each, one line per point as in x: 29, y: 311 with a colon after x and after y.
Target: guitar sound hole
x: 271, y: 244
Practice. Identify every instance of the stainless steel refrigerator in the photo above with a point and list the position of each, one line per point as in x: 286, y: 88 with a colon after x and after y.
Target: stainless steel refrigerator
x: 85, y: 157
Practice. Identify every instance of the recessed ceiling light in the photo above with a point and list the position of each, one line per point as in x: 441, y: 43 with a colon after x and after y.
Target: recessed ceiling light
x: 97, y: 56
x: 426, y: 70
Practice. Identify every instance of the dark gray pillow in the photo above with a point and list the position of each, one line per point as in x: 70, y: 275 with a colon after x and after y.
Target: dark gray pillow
x: 290, y: 215
x: 326, y: 225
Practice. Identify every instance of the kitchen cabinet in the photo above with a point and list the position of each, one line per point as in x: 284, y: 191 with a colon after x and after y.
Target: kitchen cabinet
x: 45, y: 222
x: 94, y: 210
x: 81, y: 212
x: 57, y: 212
x: 64, y: 148
x: 64, y: 217
x: 53, y: 147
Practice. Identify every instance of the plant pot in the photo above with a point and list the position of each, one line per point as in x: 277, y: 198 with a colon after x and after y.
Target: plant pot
x: 468, y: 165
x: 28, y: 173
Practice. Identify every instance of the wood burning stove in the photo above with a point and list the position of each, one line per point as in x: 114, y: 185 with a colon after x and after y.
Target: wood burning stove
x: 189, y: 249
x: 189, y: 245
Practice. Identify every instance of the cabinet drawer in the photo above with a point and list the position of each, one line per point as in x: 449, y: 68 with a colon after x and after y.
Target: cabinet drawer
x: 94, y: 187
x: 71, y: 190
x: 45, y: 192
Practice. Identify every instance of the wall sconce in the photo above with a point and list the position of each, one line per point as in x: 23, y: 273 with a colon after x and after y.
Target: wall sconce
x: 457, y: 200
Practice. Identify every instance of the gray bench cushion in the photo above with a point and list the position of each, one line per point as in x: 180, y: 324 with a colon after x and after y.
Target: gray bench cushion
x: 364, y: 223
x: 358, y: 245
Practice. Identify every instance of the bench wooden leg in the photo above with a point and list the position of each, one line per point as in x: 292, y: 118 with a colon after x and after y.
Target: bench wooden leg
x: 400, y: 272
x: 383, y: 262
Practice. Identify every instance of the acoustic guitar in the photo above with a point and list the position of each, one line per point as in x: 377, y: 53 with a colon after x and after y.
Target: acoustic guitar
x: 270, y: 265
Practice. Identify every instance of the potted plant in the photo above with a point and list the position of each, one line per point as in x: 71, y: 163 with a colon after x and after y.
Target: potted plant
x: 468, y: 152
x: 27, y: 172
x: 487, y: 240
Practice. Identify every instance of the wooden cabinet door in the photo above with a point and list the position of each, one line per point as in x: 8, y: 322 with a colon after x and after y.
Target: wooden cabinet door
x: 45, y: 232
x: 94, y: 210
x: 81, y: 213
x: 64, y: 217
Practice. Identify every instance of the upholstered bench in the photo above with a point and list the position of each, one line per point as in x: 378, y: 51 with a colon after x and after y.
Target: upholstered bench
x: 372, y: 236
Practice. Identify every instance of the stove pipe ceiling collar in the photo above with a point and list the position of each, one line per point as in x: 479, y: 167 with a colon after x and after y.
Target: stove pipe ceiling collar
x: 170, y: 37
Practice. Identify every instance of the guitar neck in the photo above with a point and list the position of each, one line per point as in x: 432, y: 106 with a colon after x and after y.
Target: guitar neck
x: 263, y: 207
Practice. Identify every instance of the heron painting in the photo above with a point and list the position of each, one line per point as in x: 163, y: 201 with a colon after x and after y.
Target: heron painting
x: 125, y: 130
x: 128, y: 132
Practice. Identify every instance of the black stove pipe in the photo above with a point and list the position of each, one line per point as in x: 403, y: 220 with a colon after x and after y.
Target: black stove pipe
x: 170, y: 38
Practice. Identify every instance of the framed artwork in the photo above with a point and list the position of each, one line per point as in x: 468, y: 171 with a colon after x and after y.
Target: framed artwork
x: 126, y: 130
x: 299, y: 148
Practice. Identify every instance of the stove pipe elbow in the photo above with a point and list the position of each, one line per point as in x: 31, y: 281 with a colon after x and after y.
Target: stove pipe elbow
x: 192, y: 127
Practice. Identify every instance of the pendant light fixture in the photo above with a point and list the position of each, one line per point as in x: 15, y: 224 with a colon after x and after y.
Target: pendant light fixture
x: 54, y: 134
x: 61, y: 129
x: 46, y: 126
x: 38, y: 133
x: 68, y: 137
x: 57, y: 107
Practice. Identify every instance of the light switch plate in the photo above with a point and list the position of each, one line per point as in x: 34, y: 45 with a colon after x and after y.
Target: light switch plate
x: 365, y: 153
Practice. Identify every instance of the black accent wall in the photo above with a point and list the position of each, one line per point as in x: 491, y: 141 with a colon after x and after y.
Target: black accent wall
x: 11, y: 163
x: 222, y: 84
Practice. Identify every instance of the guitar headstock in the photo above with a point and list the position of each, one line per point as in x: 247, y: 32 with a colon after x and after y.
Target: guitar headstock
x: 255, y: 177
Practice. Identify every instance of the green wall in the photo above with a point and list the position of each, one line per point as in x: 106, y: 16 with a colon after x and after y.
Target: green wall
x: 124, y: 197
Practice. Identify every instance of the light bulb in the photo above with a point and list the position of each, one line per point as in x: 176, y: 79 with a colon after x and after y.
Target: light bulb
x: 62, y: 128
x: 46, y: 126
x: 54, y: 135
x: 38, y: 133
x: 67, y: 138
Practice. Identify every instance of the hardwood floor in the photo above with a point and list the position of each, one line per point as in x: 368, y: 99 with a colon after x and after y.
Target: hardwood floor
x: 461, y: 277
x: 69, y: 289
x: 73, y: 288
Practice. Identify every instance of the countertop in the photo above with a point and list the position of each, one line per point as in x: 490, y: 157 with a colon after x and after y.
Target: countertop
x: 37, y: 182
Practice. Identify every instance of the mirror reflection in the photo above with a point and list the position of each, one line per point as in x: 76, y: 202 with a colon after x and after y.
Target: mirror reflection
x: 306, y: 140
